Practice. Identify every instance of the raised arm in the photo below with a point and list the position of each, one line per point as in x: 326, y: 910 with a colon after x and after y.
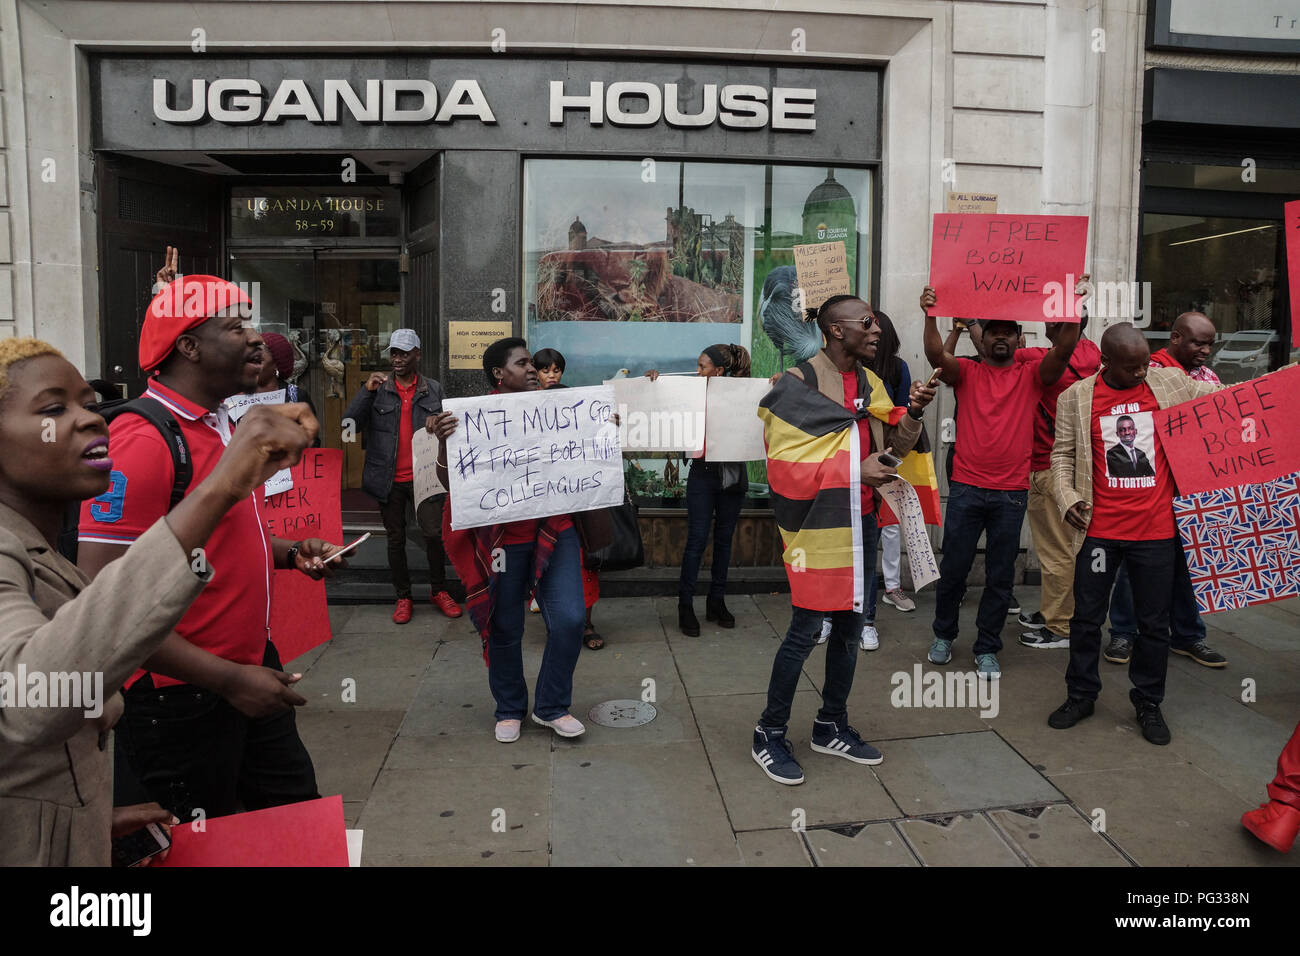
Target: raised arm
x: 1057, y: 358
x: 936, y: 352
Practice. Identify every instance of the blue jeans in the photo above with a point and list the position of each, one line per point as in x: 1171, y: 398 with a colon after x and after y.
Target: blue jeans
x: 1185, y: 625
x: 997, y: 515
x: 705, y: 497
x: 841, y: 651
x: 559, y: 595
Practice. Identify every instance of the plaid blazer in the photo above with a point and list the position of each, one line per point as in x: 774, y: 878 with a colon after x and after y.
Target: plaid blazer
x: 1071, y: 480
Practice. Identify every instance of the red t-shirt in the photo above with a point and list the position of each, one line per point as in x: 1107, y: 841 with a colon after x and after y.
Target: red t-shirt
x: 1132, y: 486
x: 1084, y: 361
x: 995, y: 430
x: 231, y: 616
x: 864, y: 435
x: 405, y: 467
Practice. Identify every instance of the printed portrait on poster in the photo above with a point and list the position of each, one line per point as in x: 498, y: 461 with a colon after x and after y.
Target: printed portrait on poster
x: 1129, y: 439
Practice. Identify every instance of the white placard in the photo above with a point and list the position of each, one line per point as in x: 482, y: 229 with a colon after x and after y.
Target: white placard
x: 238, y: 405
x: 902, y: 498
x: 732, y: 428
x: 533, y: 454
x: 355, y: 839
x: 424, y: 458
x: 664, y: 415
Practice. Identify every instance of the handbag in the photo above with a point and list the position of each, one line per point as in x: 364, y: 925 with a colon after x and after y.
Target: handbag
x: 625, y: 549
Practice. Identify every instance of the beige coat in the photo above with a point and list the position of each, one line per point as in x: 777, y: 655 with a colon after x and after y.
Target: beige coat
x: 56, y: 764
x: 1071, y: 479
x: 901, y: 437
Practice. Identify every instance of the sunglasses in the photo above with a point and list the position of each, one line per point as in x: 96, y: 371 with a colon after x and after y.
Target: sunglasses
x: 866, y: 323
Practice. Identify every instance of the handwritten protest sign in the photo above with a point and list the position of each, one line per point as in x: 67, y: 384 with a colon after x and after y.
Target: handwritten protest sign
x: 310, y: 833
x: 300, y: 619
x: 1291, y: 226
x: 238, y: 406
x: 424, y: 458
x: 732, y: 429
x: 664, y: 415
x: 905, y: 503
x: 1241, y: 435
x: 823, y: 271
x: 1018, y: 268
x: 532, y: 455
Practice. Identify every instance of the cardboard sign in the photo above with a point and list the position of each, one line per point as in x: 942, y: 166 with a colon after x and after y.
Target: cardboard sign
x: 424, y: 458
x: 1241, y: 435
x: 310, y: 833
x: 467, y: 341
x: 971, y: 202
x: 732, y: 429
x: 906, y: 504
x: 663, y: 415
x: 1018, y: 268
x: 238, y: 406
x: 300, y: 618
x: 533, y: 454
x: 1291, y: 226
x: 823, y: 271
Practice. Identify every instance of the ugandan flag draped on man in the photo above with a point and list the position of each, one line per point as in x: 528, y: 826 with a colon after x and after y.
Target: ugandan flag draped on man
x: 814, y: 469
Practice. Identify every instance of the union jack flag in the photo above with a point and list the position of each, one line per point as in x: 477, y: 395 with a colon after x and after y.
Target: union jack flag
x: 1242, y: 543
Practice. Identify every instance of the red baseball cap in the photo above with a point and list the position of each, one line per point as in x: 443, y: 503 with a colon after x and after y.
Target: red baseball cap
x: 184, y: 304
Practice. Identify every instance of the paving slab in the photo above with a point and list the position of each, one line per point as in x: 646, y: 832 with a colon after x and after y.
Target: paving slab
x: 878, y: 690
x: 468, y: 751
x: 772, y: 848
x: 872, y: 844
x: 1171, y: 816
x: 962, y: 839
x: 834, y: 790
x: 1055, y: 836
x: 364, y: 677
x: 347, y: 748
x: 414, y: 817
x: 954, y: 772
x: 730, y: 664
x: 638, y: 805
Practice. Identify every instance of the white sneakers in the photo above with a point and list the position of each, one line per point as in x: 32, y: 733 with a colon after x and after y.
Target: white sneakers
x: 508, y: 730
x: 870, y: 636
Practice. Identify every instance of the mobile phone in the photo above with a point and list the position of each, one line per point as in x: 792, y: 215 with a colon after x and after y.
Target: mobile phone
x: 934, y: 378
x: 338, y: 554
x: 893, y: 461
x: 134, y: 848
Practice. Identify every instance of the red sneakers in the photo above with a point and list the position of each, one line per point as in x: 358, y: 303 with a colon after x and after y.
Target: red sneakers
x: 402, y: 613
x: 1274, y: 823
x: 443, y: 602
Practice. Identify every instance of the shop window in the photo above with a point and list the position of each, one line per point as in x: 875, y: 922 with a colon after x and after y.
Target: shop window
x: 637, y: 264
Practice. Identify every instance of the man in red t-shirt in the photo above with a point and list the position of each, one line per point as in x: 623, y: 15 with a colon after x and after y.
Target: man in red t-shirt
x: 209, y: 723
x: 1123, y: 513
x: 1049, y: 626
x: 989, y: 488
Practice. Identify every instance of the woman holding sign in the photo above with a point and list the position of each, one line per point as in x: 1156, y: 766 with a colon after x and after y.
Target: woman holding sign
x: 500, y: 564
x: 715, y: 492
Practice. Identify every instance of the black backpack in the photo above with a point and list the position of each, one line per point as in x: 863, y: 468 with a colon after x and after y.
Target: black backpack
x: 157, y: 415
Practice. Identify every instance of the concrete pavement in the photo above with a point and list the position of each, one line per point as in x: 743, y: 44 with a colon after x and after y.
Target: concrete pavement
x: 415, y: 759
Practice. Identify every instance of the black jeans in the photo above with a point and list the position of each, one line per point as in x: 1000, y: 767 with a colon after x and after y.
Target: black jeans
x: 188, y: 749
x: 1185, y: 625
x: 705, y: 498
x: 841, y: 651
x: 1151, y: 568
x: 396, y: 512
x: 997, y: 515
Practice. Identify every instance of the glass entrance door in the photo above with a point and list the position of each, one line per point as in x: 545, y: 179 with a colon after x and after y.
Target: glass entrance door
x: 338, y: 309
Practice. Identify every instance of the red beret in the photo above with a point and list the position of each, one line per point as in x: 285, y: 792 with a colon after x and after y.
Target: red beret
x: 184, y: 304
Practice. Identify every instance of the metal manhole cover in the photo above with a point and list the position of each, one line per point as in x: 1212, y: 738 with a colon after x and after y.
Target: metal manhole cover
x: 622, y: 713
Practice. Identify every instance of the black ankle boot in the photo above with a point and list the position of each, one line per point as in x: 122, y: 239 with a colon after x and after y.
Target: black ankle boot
x: 716, y: 610
x: 687, y: 621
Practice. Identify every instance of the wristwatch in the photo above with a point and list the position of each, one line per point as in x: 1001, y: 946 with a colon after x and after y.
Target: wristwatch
x: 293, y: 554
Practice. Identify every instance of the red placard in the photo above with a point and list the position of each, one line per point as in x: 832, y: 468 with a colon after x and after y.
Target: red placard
x: 1291, y: 226
x: 311, y: 833
x: 1241, y: 435
x: 1019, y: 268
x: 300, y: 618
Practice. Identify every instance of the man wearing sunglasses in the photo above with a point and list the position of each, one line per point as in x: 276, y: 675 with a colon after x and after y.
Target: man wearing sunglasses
x: 989, y: 488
